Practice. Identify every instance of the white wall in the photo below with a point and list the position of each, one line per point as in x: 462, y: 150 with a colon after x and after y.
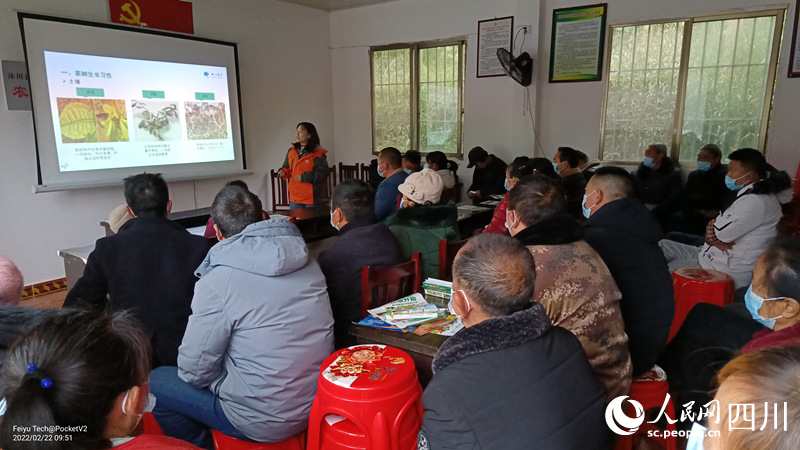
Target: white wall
x: 285, y: 74
x: 570, y: 113
x: 493, y: 107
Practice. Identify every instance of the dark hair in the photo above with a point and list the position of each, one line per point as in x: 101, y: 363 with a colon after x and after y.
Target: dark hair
x: 570, y: 155
x: 523, y: 167
x: 618, y: 182
x: 582, y: 156
x: 90, y: 359
x: 355, y: 198
x: 313, y: 140
x: 391, y: 156
x: 782, y: 268
x: 413, y: 156
x: 713, y: 149
x: 497, y: 272
x: 536, y: 198
x: 147, y: 194
x: 437, y: 158
x: 239, y: 183
x: 234, y: 209
x: 542, y: 166
x: 770, y: 181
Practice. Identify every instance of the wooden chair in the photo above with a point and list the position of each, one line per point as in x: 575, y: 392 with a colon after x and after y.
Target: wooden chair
x: 330, y: 183
x: 363, y: 172
x: 379, y: 287
x: 280, y: 191
x: 346, y: 172
x: 447, y: 253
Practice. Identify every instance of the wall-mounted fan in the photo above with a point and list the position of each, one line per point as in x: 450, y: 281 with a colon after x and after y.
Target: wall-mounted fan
x: 519, y: 68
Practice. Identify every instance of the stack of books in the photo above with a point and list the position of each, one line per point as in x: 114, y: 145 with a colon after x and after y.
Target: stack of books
x: 438, y: 288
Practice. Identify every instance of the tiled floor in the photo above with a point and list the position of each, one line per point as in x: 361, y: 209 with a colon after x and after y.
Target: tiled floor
x: 54, y: 300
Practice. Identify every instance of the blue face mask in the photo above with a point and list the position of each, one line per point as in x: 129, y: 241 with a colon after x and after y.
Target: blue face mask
x: 505, y: 184
x: 731, y: 183
x: 587, y: 211
x: 696, y: 437
x: 379, y: 171
x: 408, y: 171
x: 754, y: 303
x: 555, y: 167
x: 425, y: 166
x: 402, y: 201
x: 649, y: 162
x: 332, y: 224
x: 703, y: 166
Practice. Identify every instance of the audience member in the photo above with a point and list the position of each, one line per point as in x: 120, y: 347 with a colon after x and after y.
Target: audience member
x: 437, y: 161
x: 362, y: 241
x: 659, y: 181
x: 411, y: 162
x: 520, y: 168
x: 572, y: 282
x: 211, y: 232
x: 711, y: 335
x: 587, y: 166
x: 306, y: 168
x: 118, y: 217
x: 422, y: 221
x: 704, y: 194
x: 741, y: 232
x: 509, y: 379
x: 489, y: 174
x: 566, y: 163
x: 11, y: 282
x: 390, y: 168
x: 260, y: 327
x: 148, y: 268
x: 770, y: 378
x: 86, y: 373
x: 626, y: 236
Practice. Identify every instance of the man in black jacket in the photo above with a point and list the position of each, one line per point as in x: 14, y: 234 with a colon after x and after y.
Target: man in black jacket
x: 148, y: 268
x: 362, y: 241
x: 704, y: 195
x: 490, y: 174
x: 567, y: 164
x: 626, y: 236
x: 509, y: 380
x: 660, y: 181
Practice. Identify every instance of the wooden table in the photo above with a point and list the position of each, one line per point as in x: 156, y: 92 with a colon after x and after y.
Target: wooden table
x: 473, y: 217
x: 314, y: 223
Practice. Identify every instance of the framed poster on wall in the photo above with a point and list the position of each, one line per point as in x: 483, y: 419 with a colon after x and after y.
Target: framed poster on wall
x: 794, y: 56
x: 493, y: 34
x: 576, y: 43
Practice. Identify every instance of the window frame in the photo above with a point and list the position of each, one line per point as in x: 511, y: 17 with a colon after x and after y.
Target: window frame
x: 414, y: 118
x: 680, y: 101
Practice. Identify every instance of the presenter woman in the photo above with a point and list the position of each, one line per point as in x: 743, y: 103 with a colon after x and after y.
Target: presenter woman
x: 306, y: 168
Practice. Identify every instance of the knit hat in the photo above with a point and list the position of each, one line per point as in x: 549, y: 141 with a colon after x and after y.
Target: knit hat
x: 118, y: 217
x: 11, y: 283
x: 423, y: 187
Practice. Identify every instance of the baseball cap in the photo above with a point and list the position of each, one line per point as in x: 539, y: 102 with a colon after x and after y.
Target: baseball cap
x: 477, y: 154
x: 423, y: 187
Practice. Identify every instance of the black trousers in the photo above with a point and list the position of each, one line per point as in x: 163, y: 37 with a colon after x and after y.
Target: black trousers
x: 709, y: 337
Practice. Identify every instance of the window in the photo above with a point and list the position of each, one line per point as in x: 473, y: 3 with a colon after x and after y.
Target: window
x: 690, y: 83
x: 418, y: 96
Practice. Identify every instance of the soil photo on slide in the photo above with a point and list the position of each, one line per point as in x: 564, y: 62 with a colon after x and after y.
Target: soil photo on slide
x: 206, y: 120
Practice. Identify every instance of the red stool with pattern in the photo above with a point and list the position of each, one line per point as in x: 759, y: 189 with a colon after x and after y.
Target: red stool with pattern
x: 225, y: 442
x: 650, y: 390
x: 368, y: 397
x: 693, y: 286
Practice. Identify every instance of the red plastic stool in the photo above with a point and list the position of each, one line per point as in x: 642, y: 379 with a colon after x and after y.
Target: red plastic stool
x: 693, y: 286
x: 225, y: 442
x: 650, y: 390
x: 368, y: 397
x: 150, y: 424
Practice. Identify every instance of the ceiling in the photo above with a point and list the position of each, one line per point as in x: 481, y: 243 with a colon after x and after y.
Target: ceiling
x: 333, y: 5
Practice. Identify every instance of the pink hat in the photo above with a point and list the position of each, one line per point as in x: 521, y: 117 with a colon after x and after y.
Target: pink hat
x: 423, y: 187
x: 11, y: 283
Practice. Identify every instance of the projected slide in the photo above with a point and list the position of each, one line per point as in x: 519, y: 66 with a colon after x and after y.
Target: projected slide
x: 114, y: 112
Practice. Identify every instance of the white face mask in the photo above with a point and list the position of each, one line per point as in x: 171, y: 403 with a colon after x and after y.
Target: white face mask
x: 450, y: 304
x: 149, y: 404
x: 333, y: 224
x: 509, y: 226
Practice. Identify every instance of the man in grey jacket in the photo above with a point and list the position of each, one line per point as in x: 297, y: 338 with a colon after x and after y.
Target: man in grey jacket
x: 261, y: 325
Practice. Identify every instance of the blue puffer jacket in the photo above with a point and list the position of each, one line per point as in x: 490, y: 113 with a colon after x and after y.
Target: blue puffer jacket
x: 260, y: 327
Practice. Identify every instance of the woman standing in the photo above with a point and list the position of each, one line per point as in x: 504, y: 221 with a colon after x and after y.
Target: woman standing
x: 306, y: 168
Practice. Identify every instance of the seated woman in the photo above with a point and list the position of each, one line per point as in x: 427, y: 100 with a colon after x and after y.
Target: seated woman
x: 82, y: 370
x: 521, y: 167
x: 711, y: 335
x: 438, y: 162
x: 769, y: 382
x: 423, y: 221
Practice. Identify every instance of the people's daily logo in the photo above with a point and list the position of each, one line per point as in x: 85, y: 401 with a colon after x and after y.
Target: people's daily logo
x: 618, y: 420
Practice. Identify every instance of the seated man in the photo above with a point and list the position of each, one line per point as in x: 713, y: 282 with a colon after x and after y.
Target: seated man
x: 659, y: 181
x: 147, y: 268
x: 740, y: 233
x: 423, y: 221
x: 11, y: 284
x: 362, y: 241
x: 412, y: 162
x: 489, y: 176
x: 587, y: 166
x: 567, y: 164
x: 496, y: 382
x: 704, y: 194
x: 626, y: 236
x: 712, y: 335
x: 390, y: 168
x: 211, y: 232
x: 572, y: 282
x: 260, y: 327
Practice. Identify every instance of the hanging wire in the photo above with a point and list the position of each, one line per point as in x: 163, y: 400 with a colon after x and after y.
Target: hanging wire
x: 528, y: 106
x: 513, y: 43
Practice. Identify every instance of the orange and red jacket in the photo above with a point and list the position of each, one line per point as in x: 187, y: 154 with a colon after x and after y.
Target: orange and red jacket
x: 313, y: 170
